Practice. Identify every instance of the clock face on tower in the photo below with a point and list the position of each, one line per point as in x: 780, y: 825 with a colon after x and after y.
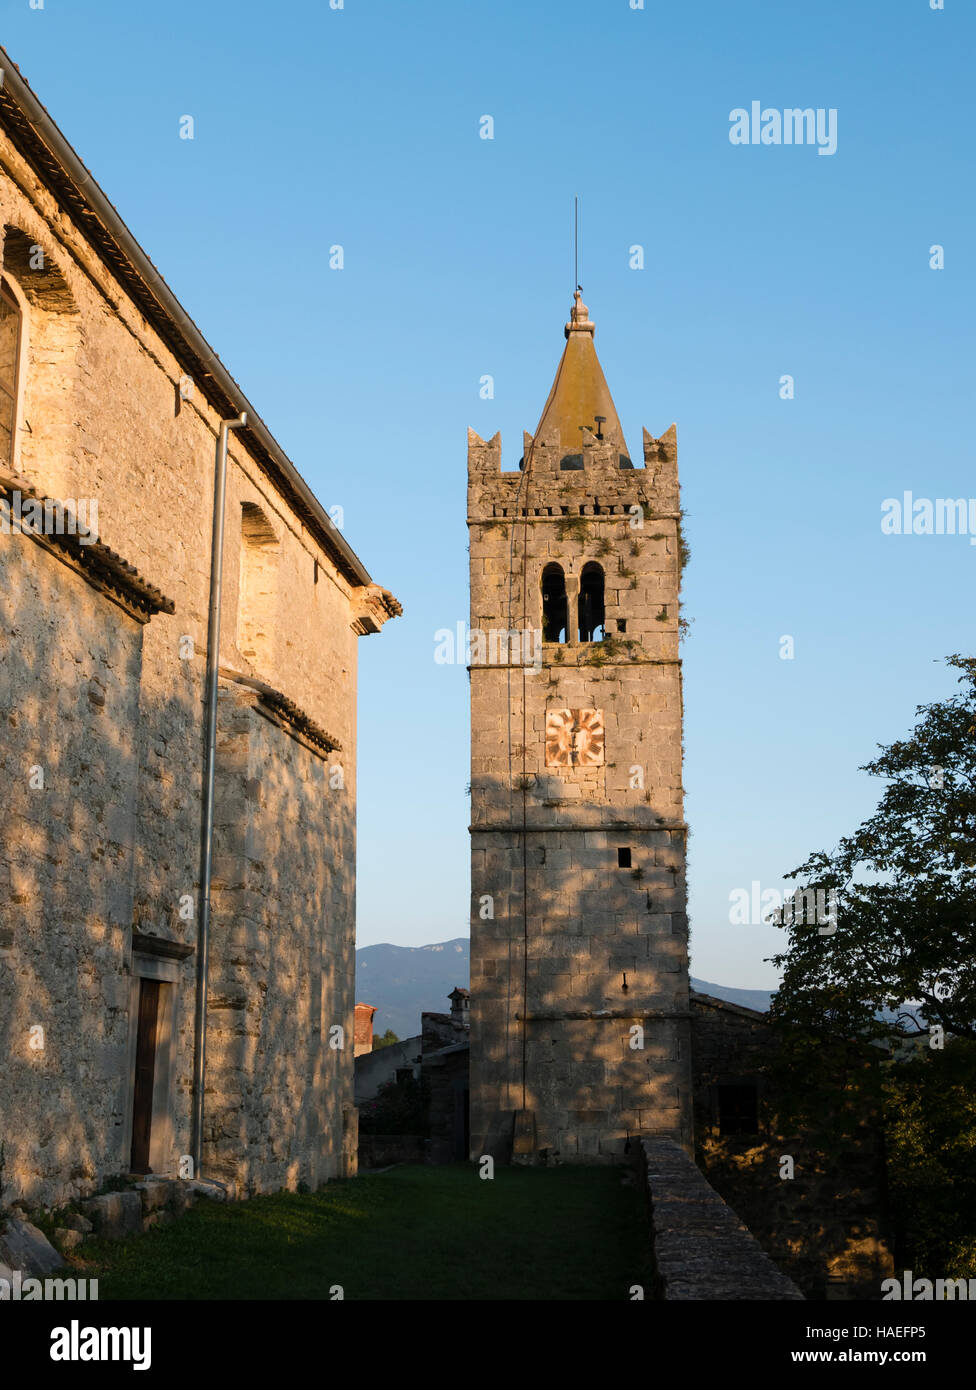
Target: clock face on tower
x: 574, y: 737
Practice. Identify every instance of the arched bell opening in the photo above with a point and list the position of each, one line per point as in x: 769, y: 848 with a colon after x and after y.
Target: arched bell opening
x: 555, y: 609
x: 591, y: 604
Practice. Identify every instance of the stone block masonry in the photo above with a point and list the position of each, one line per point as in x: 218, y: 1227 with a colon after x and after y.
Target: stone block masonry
x: 102, y: 674
x: 702, y: 1250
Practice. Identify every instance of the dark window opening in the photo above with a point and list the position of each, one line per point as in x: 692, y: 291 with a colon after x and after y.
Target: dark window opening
x: 623, y: 858
x: 10, y: 332
x: 738, y: 1110
x: 555, y: 610
x: 591, y: 609
x: 621, y: 624
x: 316, y: 564
x: 571, y: 463
x: 625, y: 461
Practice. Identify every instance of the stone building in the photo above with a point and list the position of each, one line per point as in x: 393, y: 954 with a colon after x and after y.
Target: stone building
x: 579, y: 966
x: 429, y: 1071
x: 376, y: 1069
x: 111, y: 402
x: 446, y: 1070
x: 443, y: 1030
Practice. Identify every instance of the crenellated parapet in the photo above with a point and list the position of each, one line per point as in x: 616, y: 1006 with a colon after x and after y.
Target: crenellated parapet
x: 599, y: 487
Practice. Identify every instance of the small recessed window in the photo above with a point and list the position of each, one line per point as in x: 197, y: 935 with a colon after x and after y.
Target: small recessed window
x: 623, y: 858
x: 11, y: 327
x: 621, y: 624
x: 738, y: 1110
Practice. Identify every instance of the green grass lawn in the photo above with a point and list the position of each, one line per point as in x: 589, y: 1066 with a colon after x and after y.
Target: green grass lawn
x: 413, y: 1232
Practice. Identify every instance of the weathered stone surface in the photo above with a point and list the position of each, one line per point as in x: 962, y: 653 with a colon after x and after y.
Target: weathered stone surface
x: 24, y: 1247
x: 215, y: 1191
x: 115, y: 1215
x: 155, y: 1193
x: 182, y: 1199
x: 67, y: 1239
x: 110, y: 711
x: 701, y: 1248
x: 74, y: 1221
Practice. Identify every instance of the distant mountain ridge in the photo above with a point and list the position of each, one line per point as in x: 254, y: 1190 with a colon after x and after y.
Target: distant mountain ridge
x: 749, y: 998
x: 404, y: 981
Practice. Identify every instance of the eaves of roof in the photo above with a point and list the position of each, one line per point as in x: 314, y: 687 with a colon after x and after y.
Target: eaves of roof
x: 42, y: 144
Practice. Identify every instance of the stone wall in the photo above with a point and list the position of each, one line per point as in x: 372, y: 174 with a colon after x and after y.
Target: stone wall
x: 69, y: 700
x: 447, y: 1074
x: 282, y: 957
x: 702, y: 1251
x: 383, y: 1150
x: 110, y: 852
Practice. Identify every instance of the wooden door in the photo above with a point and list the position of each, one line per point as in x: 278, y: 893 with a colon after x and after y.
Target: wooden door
x: 142, y: 1098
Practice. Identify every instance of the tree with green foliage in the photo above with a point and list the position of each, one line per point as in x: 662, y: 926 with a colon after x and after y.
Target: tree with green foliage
x: 388, y: 1037
x: 901, y: 939
x: 903, y: 933
x: 400, y: 1107
x: 930, y: 1135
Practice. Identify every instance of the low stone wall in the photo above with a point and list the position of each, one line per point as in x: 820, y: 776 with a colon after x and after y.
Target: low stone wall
x: 701, y: 1248
x: 380, y: 1150
x: 109, y: 1215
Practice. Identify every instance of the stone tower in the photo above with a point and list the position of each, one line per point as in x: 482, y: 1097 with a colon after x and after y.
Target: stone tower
x: 579, y: 964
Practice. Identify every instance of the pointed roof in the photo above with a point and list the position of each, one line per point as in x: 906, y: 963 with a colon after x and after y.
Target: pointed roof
x: 580, y: 392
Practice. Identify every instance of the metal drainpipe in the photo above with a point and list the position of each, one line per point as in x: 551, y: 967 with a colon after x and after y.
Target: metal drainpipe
x: 209, y: 768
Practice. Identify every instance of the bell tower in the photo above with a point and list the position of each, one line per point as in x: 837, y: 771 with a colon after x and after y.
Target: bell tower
x: 579, y: 962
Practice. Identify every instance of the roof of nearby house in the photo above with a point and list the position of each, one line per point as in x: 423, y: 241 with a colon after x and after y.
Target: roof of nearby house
x: 450, y: 1050
x: 709, y: 1001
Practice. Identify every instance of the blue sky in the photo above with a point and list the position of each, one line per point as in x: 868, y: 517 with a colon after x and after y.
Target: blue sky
x: 360, y: 127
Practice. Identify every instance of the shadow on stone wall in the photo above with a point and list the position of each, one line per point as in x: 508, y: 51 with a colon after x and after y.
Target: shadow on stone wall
x: 100, y: 804
x: 579, y: 984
